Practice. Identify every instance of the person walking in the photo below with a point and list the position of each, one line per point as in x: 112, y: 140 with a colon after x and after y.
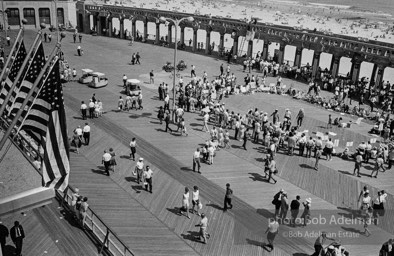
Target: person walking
x: 319, y: 243
x: 86, y: 134
x: 124, y: 78
x: 271, y: 170
x: 17, y: 235
x: 185, y: 203
x: 76, y: 140
x: 139, y: 168
x: 133, y: 145
x: 196, y: 200
x: 106, y: 160
x: 357, y: 164
x: 160, y: 114
x: 196, y: 160
x: 167, y: 121
x: 203, y: 235
x: 227, y: 198
x: 140, y: 101
x: 137, y: 58
x: 245, y: 138
x: 193, y: 71
x: 378, y: 166
x: 113, y: 159
x: 151, y: 76
x: 205, y: 120
x: 277, y: 202
x: 147, y: 176
x: 83, y: 212
x: 300, y: 117
x: 4, y: 233
x: 294, y: 210
x: 80, y: 37
x: 272, y: 231
x: 83, y: 110
x: 317, y: 157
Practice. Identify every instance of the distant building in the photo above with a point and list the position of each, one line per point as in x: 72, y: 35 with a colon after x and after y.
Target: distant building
x: 40, y: 11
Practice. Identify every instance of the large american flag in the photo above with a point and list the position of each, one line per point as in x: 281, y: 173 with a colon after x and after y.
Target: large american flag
x: 32, y: 71
x: 47, y: 117
x: 15, y: 67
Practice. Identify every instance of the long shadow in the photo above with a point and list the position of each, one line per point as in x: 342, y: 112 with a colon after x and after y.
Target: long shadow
x: 257, y: 177
x: 153, y: 122
x: 256, y: 243
x: 160, y: 130
x: 125, y: 157
x: 306, y: 166
x: 260, y: 159
x: 78, y: 117
x: 175, y: 210
x: 195, y: 124
x: 69, y: 217
x: 264, y: 212
x: 192, y: 236
x: 348, y: 213
x: 138, y: 188
x: 186, y: 169
x: 102, y: 172
x: 215, y: 206
x: 131, y: 179
x: 236, y: 146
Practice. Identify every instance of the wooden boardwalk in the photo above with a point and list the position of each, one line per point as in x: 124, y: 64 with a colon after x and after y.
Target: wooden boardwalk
x: 48, y: 232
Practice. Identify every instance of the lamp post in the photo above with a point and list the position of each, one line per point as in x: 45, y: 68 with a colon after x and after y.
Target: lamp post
x: 176, y: 23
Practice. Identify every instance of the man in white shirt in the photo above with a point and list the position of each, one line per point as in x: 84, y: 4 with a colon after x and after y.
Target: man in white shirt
x: 91, y: 109
x: 83, y: 110
x: 147, y: 175
x: 329, y: 149
x: 196, y: 160
x: 203, y: 228
x: 272, y: 231
x: 106, y: 161
x: 124, y: 80
x: 86, y: 133
x: 138, y: 168
x: 79, y: 132
x: 206, y: 119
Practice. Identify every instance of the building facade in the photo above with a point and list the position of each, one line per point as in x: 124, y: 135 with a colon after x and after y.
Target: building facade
x: 40, y: 11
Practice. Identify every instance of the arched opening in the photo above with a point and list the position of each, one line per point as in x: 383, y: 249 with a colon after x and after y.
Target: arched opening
x: 325, y: 61
x: 366, y: 71
x: 388, y: 75
x: 289, y: 55
x: 257, y: 46
x: 306, y: 57
x: 215, y: 41
x: 345, y: 64
x: 228, y: 42
x: 273, y: 49
x: 139, y: 28
x: 127, y: 27
x: 201, y: 37
x: 60, y: 17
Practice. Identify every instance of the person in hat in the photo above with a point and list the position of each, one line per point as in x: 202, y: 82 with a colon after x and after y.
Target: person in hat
x: 319, y: 243
x: 307, y: 211
x: 203, y: 235
x: 138, y: 169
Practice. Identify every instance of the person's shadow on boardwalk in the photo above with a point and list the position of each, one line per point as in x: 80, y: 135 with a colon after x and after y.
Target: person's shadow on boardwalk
x: 192, y: 236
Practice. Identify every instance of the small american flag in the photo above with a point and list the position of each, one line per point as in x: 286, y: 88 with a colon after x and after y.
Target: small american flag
x: 16, y: 66
x: 47, y: 118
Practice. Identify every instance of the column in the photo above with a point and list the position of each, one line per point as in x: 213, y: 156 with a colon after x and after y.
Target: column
x: 281, y: 54
x: 315, y: 63
x: 145, y: 30
x: 235, y: 45
x: 86, y: 25
x: 250, y: 48
x: 157, y: 33
x: 109, y: 26
x: 297, y: 58
x: 379, y: 76
x: 355, y: 70
x: 169, y: 35
x: 265, y: 50
x: 98, y: 25
x: 195, y: 40
x: 121, y: 28
x: 182, y: 35
x: 208, y: 42
x: 335, y: 65
x: 133, y: 29
x: 221, y: 43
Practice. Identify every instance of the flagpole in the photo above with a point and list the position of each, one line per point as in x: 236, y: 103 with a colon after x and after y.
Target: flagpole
x: 27, y: 99
x: 53, y: 62
x: 11, y: 52
x: 2, y: 8
x: 21, y: 71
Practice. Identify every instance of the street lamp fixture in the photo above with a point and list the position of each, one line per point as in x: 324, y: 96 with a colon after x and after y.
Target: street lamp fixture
x: 176, y: 23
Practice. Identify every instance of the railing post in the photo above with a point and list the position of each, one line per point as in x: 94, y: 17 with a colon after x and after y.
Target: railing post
x: 105, y: 240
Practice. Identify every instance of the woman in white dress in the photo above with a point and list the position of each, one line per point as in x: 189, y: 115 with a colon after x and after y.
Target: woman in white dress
x: 195, y: 200
x: 185, y: 203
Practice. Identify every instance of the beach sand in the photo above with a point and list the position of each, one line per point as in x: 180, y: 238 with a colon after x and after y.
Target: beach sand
x: 338, y: 19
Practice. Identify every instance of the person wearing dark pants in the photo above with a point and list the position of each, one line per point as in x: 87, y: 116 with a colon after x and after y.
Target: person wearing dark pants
x: 147, y: 176
x: 139, y: 169
x: 227, y: 198
x: 3, y: 236
x: 300, y: 117
x: 91, y: 109
x: 83, y: 110
x: 245, y: 139
x: 196, y: 161
x: 294, y: 210
x: 272, y: 231
x: 167, y: 120
x: 86, y: 133
x: 17, y: 235
x: 106, y: 161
